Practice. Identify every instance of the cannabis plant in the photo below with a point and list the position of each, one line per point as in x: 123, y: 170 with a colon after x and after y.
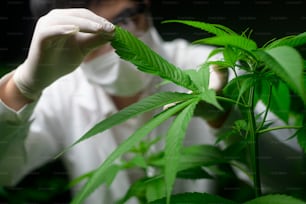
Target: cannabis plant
x: 273, y: 74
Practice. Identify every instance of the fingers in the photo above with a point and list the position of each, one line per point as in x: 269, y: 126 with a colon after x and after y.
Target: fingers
x: 88, y: 42
x: 89, y: 29
x: 59, y: 30
x: 86, y: 20
x: 77, y: 12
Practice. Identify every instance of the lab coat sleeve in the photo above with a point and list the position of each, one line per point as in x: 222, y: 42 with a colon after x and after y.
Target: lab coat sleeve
x: 21, y: 147
x: 14, y: 128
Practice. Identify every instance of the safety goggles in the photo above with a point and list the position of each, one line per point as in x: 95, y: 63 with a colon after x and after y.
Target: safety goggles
x: 129, y: 14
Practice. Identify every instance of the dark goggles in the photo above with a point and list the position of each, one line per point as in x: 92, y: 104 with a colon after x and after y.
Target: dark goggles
x: 129, y: 13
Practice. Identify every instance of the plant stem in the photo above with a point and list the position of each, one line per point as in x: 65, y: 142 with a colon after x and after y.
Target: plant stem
x: 253, y: 140
x: 267, y: 108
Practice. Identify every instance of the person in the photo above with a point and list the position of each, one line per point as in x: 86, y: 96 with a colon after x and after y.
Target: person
x: 72, y: 79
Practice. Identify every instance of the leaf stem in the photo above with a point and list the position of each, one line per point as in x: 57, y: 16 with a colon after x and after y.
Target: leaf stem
x: 278, y: 128
x: 231, y: 101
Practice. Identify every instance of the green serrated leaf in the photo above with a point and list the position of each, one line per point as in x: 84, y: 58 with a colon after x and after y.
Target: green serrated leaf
x: 275, y: 199
x: 200, y: 77
x: 209, y: 96
x: 155, y: 189
x: 130, y: 48
x: 216, y: 29
x: 216, y: 51
x: 136, y: 161
x: 147, y: 104
x: 233, y: 40
x: 77, y: 180
x: 246, y: 84
x: 230, y: 56
x: 174, y: 143
x: 201, y: 80
x: 194, y: 173
x: 95, y: 181
x: 287, y: 64
x: 240, y: 85
x: 194, y: 156
x: 292, y: 41
x: 280, y: 100
x: 201, y: 155
x: 107, y: 179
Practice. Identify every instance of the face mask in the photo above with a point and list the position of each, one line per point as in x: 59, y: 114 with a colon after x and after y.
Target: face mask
x: 118, y: 77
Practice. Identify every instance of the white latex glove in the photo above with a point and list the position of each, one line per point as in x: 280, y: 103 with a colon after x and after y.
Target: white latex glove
x: 61, y: 40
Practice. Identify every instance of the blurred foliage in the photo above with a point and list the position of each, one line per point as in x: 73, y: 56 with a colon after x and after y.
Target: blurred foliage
x: 44, y: 185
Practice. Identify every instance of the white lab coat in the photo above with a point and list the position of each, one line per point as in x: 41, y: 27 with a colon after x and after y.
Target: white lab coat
x: 70, y: 107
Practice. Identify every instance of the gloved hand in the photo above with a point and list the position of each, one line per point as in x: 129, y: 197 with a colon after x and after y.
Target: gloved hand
x: 61, y: 40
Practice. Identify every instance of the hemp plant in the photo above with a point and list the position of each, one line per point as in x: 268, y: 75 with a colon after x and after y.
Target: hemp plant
x: 273, y: 74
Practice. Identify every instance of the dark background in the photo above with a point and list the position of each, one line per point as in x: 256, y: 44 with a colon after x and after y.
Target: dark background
x: 268, y: 19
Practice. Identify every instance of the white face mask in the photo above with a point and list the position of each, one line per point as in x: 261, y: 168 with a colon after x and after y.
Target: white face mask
x: 118, y: 77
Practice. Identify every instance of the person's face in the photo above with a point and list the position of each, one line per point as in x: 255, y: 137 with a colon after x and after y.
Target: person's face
x: 125, y: 13
x: 121, y: 11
